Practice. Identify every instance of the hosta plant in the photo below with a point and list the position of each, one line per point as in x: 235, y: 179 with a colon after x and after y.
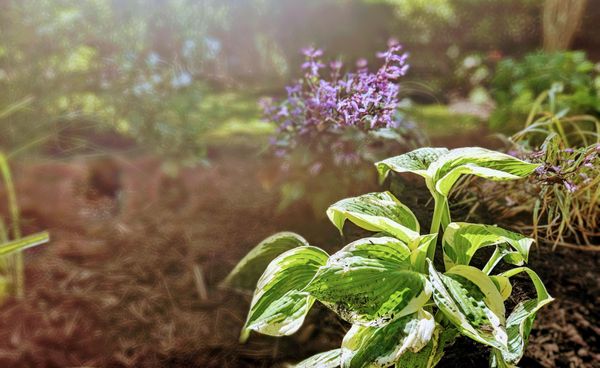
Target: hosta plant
x: 404, y: 307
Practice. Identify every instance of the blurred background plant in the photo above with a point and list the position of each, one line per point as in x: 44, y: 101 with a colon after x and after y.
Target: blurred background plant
x: 517, y: 83
x: 177, y: 77
x: 153, y: 70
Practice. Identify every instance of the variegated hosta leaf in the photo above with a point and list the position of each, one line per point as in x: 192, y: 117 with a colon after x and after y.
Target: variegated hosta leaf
x: 470, y: 300
x: 280, y: 305
x: 503, y: 285
x: 247, y: 272
x: 381, y: 212
x: 520, y: 321
x: 447, y: 337
x: 365, y: 346
x: 328, y: 359
x: 424, y: 358
x: 416, y: 162
x: 370, y: 282
x: 461, y: 241
x: 476, y: 161
x: 432, y: 353
x: 424, y: 248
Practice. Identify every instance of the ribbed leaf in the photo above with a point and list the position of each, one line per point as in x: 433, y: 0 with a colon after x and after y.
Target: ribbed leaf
x: 476, y: 161
x: 442, y: 168
x: 247, y: 272
x: 280, y: 305
x: 370, y: 282
x: 470, y: 300
x: 381, y: 212
x: 328, y: 359
x: 520, y: 321
x: 416, y: 162
x: 461, y: 241
x: 382, y: 346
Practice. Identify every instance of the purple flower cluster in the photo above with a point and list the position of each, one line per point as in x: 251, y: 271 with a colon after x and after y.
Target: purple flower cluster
x: 325, y: 101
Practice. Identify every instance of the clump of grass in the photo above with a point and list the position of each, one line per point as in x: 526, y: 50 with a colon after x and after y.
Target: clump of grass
x: 560, y: 204
x: 12, y: 241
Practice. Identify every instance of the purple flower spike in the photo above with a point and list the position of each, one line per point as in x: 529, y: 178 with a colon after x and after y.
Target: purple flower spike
x: 324, y: 104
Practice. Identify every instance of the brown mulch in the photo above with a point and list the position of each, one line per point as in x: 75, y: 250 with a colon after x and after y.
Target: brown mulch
x: 131, y: 276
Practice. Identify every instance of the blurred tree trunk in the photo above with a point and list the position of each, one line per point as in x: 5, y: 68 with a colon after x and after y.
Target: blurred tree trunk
x: 561, y: 19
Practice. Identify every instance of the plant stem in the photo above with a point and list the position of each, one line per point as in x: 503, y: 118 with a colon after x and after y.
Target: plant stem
x: 441, y: 213
x: 494, y: 259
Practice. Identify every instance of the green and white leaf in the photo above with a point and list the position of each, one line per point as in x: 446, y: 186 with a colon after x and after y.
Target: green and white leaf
x: 441, y: 168
x: 328, y: 359
x: 479, y: 162
x: 280, y: 304
x: 378, y: 212
x: 461, y: 240
x: 365, y: 346
x: 370, y: 282
x: 520, y: 321
x: 424, y: 358
x: 246, y: 273
x: 503, y: 285
x: 416, y: 162
x: 470, y: 300
x: 424, y: 249
x: 432, y: 353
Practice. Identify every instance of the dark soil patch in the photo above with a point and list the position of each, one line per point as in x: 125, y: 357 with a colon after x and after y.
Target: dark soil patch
x: 121, y: 283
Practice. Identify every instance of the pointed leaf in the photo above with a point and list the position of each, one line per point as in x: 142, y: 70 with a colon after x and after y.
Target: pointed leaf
x: 280, y: 305
x: 461, y: 241
x: 380, y: 212
x: 246, y: 273
x: 365, y: 346
x: 416, y: 162
x: 470, y: 300
x: 328, y: 359
x: 370, y: 282
x: 503, y: 285
x: 476, y: 161
x: 520, y: 321
x: 24, y: 243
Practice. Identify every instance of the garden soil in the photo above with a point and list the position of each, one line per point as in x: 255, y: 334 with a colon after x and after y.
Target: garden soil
x: 131, y: 276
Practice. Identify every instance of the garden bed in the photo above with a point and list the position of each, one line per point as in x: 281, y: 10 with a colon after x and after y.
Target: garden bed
x: 131, y: 277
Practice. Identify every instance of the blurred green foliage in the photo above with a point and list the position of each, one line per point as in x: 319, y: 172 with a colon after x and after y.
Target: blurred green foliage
x: 167, y: 72
x: 141, y: 68
x: 439, y: 121
x: 517, y: 83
